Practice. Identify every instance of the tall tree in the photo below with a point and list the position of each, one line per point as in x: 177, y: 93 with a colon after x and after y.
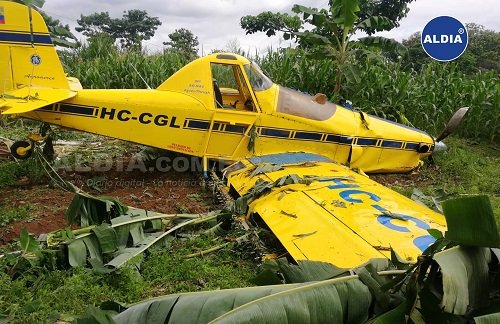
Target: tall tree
x: 184, y: 41
x: 95, y: 24
x: 333, y: 29
x: 271, y: 23
x: 482, y: 53
x: 134, y: 27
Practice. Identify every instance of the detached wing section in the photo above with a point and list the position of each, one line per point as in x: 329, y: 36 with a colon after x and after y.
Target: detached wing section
x: 26, y: 99
x: 320, y: 210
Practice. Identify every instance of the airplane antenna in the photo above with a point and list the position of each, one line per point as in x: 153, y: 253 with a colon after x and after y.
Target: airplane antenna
x: 140, y: 76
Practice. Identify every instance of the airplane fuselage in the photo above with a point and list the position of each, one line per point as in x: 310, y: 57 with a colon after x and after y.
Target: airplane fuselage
x: 181, y: 123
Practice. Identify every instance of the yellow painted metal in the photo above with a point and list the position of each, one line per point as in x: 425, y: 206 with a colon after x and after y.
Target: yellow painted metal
x: 30, y: 55
x: 181, y: 115
x: 28, y: 99
x: 342, y: 217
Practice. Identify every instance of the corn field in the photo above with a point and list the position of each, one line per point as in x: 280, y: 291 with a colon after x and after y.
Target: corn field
x: 426, y: 99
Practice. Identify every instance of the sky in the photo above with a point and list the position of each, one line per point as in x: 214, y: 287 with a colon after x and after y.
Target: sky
x: 216, y: 23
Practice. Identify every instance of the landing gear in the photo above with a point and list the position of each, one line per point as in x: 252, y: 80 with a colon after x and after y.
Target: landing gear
x: 21, y: 150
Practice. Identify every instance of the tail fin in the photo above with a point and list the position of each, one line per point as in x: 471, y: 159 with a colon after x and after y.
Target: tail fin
x: 28, y: 58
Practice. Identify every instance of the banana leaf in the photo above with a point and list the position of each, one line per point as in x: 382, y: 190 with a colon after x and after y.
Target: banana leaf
x: 465, y: 274
x: 336, y: 300
x: 111, y: 244
x: 87, y: 210
x: 471, y: 221
x: 488, y: 319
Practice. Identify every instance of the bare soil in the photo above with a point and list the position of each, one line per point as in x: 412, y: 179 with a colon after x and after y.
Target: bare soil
x: 166, y: 192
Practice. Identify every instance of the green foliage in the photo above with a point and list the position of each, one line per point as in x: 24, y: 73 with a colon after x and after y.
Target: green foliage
x: 293, y: 68
x: 333, y: 29
x: 134, y: 27
x: 270, y: 23
x: 339, y: 25
x: 62, y: 294
x: 11, y: 171
x: 184, y: 42
x: 9, y: 215
x: 482, y: 53
x: 100, y: 65
x: 87, y: 210
x: 430, y: 97
x: 394, y: 10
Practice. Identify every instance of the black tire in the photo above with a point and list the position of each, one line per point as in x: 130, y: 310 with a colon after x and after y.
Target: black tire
x: 21, y: 144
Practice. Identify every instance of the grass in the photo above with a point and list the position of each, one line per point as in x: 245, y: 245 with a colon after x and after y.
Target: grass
x: 62, y: 294
x: 9, y: 215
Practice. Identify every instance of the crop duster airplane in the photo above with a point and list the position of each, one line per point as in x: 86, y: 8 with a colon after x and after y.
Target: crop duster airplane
x: 223, y: 107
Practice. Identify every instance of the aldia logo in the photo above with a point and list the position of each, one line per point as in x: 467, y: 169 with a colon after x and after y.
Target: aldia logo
x: 444, y: 38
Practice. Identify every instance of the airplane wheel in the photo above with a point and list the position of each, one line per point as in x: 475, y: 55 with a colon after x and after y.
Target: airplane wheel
x: 21, y: 150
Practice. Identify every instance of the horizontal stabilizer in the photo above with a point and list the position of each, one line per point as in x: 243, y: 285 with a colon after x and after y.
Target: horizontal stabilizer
x: 26, y: 99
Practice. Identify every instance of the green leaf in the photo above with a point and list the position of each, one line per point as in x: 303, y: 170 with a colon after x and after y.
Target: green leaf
x: 399, y: 262
x: 200, y: 307
x: 307, y: 270
x: 435, y: 233
x: 376, y: 23
x: 107, y: 237
x: 95, y: 315
x: 94, y: 249
x: 471, y: 221
x: 385, y: 44
x: 431, y: 310
x: 394, y: 316
x: 332, y: 301
x: 465, y: 278
x: 268, y: 274
x: 32, y: 307
x: 368, y: 275
x: 488, y: 319
x: 264, y: 168
x: 344, y: 13
x: 28, y: 243
x: 313, y: 38
x: 77, y: 253
x: 351, y: 72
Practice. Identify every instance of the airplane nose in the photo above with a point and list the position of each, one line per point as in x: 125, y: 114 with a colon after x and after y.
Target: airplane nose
x: 440, y: 147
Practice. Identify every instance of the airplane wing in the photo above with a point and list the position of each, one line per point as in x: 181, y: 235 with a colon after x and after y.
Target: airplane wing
x: 321, y: 210
x: 26, y: 99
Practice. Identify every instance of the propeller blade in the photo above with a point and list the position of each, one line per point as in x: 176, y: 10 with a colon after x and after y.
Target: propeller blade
x: 452, y: 124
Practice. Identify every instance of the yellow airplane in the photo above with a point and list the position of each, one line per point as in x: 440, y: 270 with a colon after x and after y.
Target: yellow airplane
x: 223, y: 107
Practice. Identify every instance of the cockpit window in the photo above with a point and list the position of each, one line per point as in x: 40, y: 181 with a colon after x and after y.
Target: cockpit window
x: 258, y: 79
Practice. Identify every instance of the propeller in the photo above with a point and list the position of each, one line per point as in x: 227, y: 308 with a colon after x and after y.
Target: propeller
x: 452, y: 124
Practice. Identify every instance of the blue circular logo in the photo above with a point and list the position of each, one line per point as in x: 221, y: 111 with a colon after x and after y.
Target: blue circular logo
x: 35, y: 59
x: 444, y: 38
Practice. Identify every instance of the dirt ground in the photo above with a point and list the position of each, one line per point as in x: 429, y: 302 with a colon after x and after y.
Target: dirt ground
x: 166, y: 192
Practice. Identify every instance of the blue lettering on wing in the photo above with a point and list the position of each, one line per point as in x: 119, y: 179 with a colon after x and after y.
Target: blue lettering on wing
x: 352, y: 195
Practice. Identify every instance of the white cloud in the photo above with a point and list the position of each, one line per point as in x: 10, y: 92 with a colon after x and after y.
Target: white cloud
x: 216, y: 22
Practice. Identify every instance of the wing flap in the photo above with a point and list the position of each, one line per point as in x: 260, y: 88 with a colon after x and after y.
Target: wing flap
x: 26, y: 99
x: 348, y: 218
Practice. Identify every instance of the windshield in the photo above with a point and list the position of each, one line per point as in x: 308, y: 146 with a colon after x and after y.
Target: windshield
x: 258, y: 79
